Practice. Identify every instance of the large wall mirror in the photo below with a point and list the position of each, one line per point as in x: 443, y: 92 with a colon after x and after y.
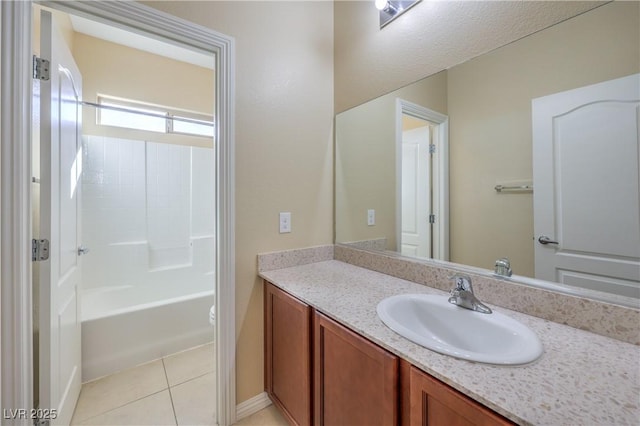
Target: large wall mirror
x: 487, y: 102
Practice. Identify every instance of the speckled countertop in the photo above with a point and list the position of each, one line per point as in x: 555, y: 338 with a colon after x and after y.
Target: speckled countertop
x: 581, y: 379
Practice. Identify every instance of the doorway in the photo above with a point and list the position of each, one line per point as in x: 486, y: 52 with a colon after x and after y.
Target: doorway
x: 416, y: 239
x: 17, y: 362
x: 125, y: 178
x: 422, y: 198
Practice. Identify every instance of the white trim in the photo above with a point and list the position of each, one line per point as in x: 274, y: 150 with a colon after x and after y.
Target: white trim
x: 15, y: 207
x: 441, y: 185
x: 253, y: 405
x: 440, y: 173
x: 16, y: 176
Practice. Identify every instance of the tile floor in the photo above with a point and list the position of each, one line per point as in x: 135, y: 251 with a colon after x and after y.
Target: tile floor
x: 175, y: 390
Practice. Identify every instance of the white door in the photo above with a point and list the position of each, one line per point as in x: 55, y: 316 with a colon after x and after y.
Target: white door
x: 587, y: 186
x: 60, y: 171
x: 416, y: 186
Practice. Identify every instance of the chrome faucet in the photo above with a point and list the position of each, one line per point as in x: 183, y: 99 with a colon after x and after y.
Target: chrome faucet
x: 503, y: 267
x: 462, y: 295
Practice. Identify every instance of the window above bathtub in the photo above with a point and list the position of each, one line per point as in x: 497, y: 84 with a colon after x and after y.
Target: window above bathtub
x: 131, y: 114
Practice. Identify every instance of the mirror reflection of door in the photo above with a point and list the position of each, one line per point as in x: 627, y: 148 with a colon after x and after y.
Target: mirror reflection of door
x: 422, y: 184
x: 586, y: 146
x: 417, y: 194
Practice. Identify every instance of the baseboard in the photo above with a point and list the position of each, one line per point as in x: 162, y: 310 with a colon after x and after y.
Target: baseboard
x: 252, y: 405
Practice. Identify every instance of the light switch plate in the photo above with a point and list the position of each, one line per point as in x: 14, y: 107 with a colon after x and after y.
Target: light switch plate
x: 285, y: 222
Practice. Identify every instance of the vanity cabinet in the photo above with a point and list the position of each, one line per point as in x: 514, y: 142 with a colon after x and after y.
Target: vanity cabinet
x: 433, y: 403
x: 288, y: 354
x: 353, y: 381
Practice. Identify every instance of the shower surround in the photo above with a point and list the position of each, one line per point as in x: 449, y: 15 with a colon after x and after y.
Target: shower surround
x: 148, y: 218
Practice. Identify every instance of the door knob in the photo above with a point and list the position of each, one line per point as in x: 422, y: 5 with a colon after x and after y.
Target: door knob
x: 546, y: 240
x: 82, y: 250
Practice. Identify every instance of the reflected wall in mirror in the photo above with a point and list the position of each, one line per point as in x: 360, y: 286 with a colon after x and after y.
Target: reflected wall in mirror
x: 488, y: 101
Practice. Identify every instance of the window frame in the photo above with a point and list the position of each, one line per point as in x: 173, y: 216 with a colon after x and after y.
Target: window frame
x: 168, y: 114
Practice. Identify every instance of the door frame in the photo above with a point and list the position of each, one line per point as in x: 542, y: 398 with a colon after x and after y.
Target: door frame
x: 16, y: 356
x: 440, y: 174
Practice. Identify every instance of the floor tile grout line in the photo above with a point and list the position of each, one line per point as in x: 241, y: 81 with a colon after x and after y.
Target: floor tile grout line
x: 191, y: 379
x: 124, y: 405
x: 173, y: 406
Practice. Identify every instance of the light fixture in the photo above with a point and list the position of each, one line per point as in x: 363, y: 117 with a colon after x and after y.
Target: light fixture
x: 391, y: 9
x: 382, y: 4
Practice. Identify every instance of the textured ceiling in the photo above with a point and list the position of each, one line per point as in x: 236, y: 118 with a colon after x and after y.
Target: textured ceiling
x: 432, y: 36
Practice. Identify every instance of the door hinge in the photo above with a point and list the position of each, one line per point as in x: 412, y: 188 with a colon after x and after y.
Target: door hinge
x: 432, y: 218
x: 39, y: 250
x: 432, y: 149
x: 40, y: 68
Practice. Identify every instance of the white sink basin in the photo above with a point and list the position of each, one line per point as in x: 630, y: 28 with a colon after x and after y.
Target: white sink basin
x: 431, y: 321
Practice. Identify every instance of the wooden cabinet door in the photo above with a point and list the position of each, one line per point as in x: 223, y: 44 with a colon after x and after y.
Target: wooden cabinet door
x: 355, y: 381
x: 288, y: 354
x: 432, y: 403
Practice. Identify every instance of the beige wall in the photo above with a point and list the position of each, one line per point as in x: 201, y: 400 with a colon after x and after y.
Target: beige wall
x: 365, y: 167
x: 120, y: 71
x: 432, y: 36
x: 490, y: 111
x: 284, y: 156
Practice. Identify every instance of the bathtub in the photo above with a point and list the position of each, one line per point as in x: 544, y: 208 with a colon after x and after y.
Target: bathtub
x: 123, y: 327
